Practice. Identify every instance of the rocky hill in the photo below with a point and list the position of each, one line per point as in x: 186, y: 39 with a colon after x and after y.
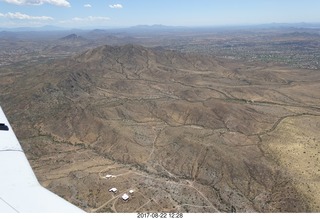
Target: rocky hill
x: 186, y: 132
x: 72, y: 37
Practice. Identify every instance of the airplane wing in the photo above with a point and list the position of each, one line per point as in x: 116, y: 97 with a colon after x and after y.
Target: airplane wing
x: 20, y: 190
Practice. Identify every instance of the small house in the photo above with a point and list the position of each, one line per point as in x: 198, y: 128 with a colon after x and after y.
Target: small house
x: 125, y: 197
x: 114, y: 190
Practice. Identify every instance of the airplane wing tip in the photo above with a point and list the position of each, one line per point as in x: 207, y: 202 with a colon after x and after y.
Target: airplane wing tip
x: 20, y: 190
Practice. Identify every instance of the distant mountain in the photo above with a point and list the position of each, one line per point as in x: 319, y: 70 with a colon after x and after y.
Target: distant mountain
x: 71, y: 43
x: 43, y: 28
x: 73, y: 37
x: 155, y: 26
x: 7, y: 35
x: 51, y: 28
x: 158, y: 27
x: 301, y: 34
x: 289, y: 25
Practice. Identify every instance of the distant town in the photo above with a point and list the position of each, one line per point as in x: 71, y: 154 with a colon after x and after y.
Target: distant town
x: 293, y: 46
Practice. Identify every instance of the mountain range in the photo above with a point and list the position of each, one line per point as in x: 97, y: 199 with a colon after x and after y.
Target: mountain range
x: 187, y: 132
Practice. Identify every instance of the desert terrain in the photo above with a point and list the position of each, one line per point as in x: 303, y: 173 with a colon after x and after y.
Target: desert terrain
x: 187, y: 128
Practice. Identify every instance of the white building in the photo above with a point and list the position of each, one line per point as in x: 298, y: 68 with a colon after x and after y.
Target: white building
x: 108, y: 176
x: 114, y: 190
x: 125, y: 197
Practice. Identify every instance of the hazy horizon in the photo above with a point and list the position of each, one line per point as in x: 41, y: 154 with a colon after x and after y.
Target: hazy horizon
x: 123, y: 13
x: 160, y: 27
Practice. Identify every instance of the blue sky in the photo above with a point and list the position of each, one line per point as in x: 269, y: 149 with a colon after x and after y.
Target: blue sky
x: 123, y: 13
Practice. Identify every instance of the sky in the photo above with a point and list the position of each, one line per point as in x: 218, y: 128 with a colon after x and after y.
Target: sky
x: 125, y: 13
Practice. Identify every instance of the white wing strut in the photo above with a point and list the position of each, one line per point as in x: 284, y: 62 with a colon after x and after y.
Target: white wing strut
x: 20, y: 190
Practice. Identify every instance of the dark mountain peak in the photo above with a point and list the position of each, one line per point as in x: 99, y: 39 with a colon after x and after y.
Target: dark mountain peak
x: 135, y: 57
x: 73, y: 37
x: 108, y: 52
